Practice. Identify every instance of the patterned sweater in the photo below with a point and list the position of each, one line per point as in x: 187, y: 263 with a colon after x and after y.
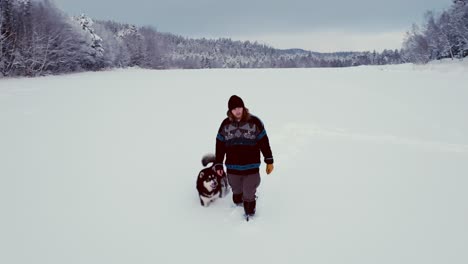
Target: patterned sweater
x: 241, y: 142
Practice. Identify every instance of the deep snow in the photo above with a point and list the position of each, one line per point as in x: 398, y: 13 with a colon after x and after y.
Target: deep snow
x: 371, y: 166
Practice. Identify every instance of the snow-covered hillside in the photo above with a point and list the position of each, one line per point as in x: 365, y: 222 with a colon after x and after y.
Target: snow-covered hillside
x: 371, y: 166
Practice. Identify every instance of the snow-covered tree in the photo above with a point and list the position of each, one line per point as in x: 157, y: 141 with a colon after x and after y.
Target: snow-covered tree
x: 152, y: 49
x: 459, y: 23
x: 23, y: 28
x: 95, y: 50
x: 58, y: 47
x: 7, y: 36
x: 133, y: 41
x: 446, y: 35
x: 416, y: 46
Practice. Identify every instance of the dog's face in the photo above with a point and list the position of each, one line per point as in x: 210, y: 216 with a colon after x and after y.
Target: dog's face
x: 209, y: 181
x: 210, y: 186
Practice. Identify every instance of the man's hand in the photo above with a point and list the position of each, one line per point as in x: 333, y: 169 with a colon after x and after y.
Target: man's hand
x: 269, y: 168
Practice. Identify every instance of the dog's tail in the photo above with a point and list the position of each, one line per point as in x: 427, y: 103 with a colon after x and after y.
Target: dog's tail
x: 207, y: 159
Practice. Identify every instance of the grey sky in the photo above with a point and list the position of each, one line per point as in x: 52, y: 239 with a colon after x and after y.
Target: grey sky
x: 313, y: 24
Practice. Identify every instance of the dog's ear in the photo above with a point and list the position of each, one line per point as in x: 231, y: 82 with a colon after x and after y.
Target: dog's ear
x: 201, y: 175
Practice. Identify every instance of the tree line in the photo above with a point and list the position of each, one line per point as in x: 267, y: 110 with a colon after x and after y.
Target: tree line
x: 443, y: 35
x: 36, y: 38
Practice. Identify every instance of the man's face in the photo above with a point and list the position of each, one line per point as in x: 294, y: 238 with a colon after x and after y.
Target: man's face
x: 237, y: 112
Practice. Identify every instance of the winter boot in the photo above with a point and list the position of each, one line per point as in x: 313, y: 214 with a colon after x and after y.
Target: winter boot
x: 249, y: 208
x: 237, y: 199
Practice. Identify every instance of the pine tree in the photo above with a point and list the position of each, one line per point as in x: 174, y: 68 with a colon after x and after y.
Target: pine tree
x: 93, y: 43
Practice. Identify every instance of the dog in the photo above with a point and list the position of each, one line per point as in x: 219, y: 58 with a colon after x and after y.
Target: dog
x: 210, y: 185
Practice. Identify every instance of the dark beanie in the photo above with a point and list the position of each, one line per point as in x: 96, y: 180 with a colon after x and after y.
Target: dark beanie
x: 234, y: 102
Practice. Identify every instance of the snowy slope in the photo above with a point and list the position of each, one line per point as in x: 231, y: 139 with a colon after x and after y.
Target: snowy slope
x: 371, y: 167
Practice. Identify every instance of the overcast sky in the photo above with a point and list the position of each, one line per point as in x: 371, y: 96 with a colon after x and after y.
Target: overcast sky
x: 317, y: 25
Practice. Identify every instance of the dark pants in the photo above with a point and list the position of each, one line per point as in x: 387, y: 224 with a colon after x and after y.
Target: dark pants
x: 246, y: 184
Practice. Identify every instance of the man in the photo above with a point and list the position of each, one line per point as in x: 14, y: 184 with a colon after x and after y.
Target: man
x: 241, y: 137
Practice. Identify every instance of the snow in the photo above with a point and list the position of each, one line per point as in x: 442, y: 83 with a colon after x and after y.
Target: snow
x: 370, y: 166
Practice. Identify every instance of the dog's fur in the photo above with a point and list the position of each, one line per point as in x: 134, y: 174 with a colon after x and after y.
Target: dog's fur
x: 210, y: 185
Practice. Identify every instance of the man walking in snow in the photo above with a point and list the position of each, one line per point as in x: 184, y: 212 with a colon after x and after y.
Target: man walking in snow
x: 241, y: 137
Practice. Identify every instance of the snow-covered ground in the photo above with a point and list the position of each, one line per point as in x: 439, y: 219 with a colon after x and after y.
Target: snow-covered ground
x: 371, y: 167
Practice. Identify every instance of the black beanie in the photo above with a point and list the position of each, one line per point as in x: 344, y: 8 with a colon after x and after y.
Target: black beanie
x: 234, y: 102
